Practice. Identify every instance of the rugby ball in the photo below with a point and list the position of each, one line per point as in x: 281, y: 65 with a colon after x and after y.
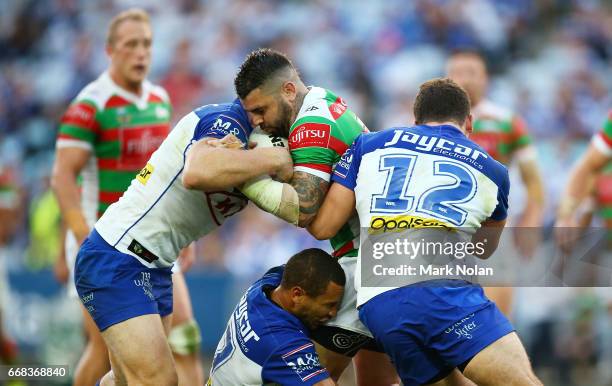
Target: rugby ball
x: 263, y: 139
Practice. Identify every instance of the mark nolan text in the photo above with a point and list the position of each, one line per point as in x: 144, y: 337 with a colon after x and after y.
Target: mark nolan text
x: 432, y: 270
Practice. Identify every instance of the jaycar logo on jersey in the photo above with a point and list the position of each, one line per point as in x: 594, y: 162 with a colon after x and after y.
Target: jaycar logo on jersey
x: 305, y: 364
x: 310, y: 135
x: 438, y: 145
x: 145, y: 173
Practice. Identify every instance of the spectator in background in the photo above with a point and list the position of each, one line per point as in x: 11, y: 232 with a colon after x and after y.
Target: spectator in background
x: 11, y: 211
x: 504, y: 136
x: 184, y: 85
x: 106, y: 136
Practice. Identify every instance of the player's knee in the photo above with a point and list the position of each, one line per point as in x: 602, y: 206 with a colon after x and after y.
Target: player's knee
x: 185, y: 338
x: 155, y: 375
x: 169, y: 377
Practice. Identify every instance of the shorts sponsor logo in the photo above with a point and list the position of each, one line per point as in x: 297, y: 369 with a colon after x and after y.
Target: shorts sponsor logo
x: 310, y: 135
x: 87, y: 298
x: 145, y: 173
x: 145, y: 283
x: 382, y: 224
x: 464, y: 328
x: 305, y: 364
x: 344, y: 341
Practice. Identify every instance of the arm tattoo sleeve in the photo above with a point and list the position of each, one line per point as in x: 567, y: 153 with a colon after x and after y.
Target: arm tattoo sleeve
x: 311, y: 190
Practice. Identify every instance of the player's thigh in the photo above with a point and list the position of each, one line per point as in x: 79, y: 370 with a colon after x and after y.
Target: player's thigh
x: 502, y: 362
x: 503, y: 297
x: 182, y: 311
x: 455, y: 378
x: 139, y: 345
x: 373, y: 368
x: 91, y: 329
x: 334, y: 363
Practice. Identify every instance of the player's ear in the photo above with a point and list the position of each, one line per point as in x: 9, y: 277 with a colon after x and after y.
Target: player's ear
x: 289, y: 90
x: 297, y: 294
x: 108, y: 48
x: 468, y: 124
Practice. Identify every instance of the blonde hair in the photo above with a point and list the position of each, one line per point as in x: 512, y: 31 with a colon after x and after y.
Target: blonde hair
x: 135, y: 14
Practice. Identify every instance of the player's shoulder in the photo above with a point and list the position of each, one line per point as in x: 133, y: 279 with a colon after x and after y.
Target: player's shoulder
x: 157, y: 92
x: 489, y: 109
x: 497, y: 171
x: 96, y: 93
x: 232, y: 110
x: 272, y: 324
x: 315, y: 107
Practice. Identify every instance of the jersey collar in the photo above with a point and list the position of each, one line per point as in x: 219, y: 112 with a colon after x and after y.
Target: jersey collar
x: 139, y: 100
x: 446, y: 129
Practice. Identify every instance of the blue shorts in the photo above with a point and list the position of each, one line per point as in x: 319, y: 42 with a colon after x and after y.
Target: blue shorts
x: 114, y: 286
x: 429, y: 329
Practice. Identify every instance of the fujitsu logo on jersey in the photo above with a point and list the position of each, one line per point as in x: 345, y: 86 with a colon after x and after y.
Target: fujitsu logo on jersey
x: 310, y: 134
x: 436, y: 145
x: 147, y: 143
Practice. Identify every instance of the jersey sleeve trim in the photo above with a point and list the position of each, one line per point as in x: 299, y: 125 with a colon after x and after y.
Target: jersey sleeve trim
x: 526, y: 153
x: 503, y: 190
x: 342, y: 181
x: 602, y: 143
x: 68, y: 142
x: 321, y: 171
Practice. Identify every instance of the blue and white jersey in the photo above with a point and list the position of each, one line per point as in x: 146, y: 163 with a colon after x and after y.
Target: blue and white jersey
x: 265, y: 345
x: 420, y: 177
x: 157, y: 211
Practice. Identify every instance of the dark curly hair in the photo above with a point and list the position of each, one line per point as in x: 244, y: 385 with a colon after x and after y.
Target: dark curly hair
x: 441, y: 100
x: 312, y: 270
x: 259, y: 66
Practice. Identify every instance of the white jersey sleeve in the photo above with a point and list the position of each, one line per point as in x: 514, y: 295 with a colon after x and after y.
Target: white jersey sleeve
x: 157, y: 216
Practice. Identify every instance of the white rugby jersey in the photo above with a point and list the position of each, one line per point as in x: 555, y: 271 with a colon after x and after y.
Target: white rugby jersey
x: 157, y: 216
x: 423, y: 176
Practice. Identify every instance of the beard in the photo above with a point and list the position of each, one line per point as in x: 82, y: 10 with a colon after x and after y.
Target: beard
x: 282, y: 125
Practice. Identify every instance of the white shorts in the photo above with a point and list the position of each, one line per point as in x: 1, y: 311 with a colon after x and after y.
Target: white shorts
x: 345, y: 334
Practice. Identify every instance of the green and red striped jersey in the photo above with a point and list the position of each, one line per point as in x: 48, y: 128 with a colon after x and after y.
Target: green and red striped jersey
x: 321, y: 133
x: 9, y: 188
x: 121, y: 130
x: 603, y: 142
x: 498, y: 131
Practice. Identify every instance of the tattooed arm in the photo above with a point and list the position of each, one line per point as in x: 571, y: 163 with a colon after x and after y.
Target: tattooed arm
x: 311, y: 191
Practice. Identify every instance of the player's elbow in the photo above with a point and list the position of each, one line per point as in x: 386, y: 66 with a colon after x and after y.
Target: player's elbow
x: 319, y: 233
x: 189, y: 180
x: 195, y: 179
x: 58, y: 179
